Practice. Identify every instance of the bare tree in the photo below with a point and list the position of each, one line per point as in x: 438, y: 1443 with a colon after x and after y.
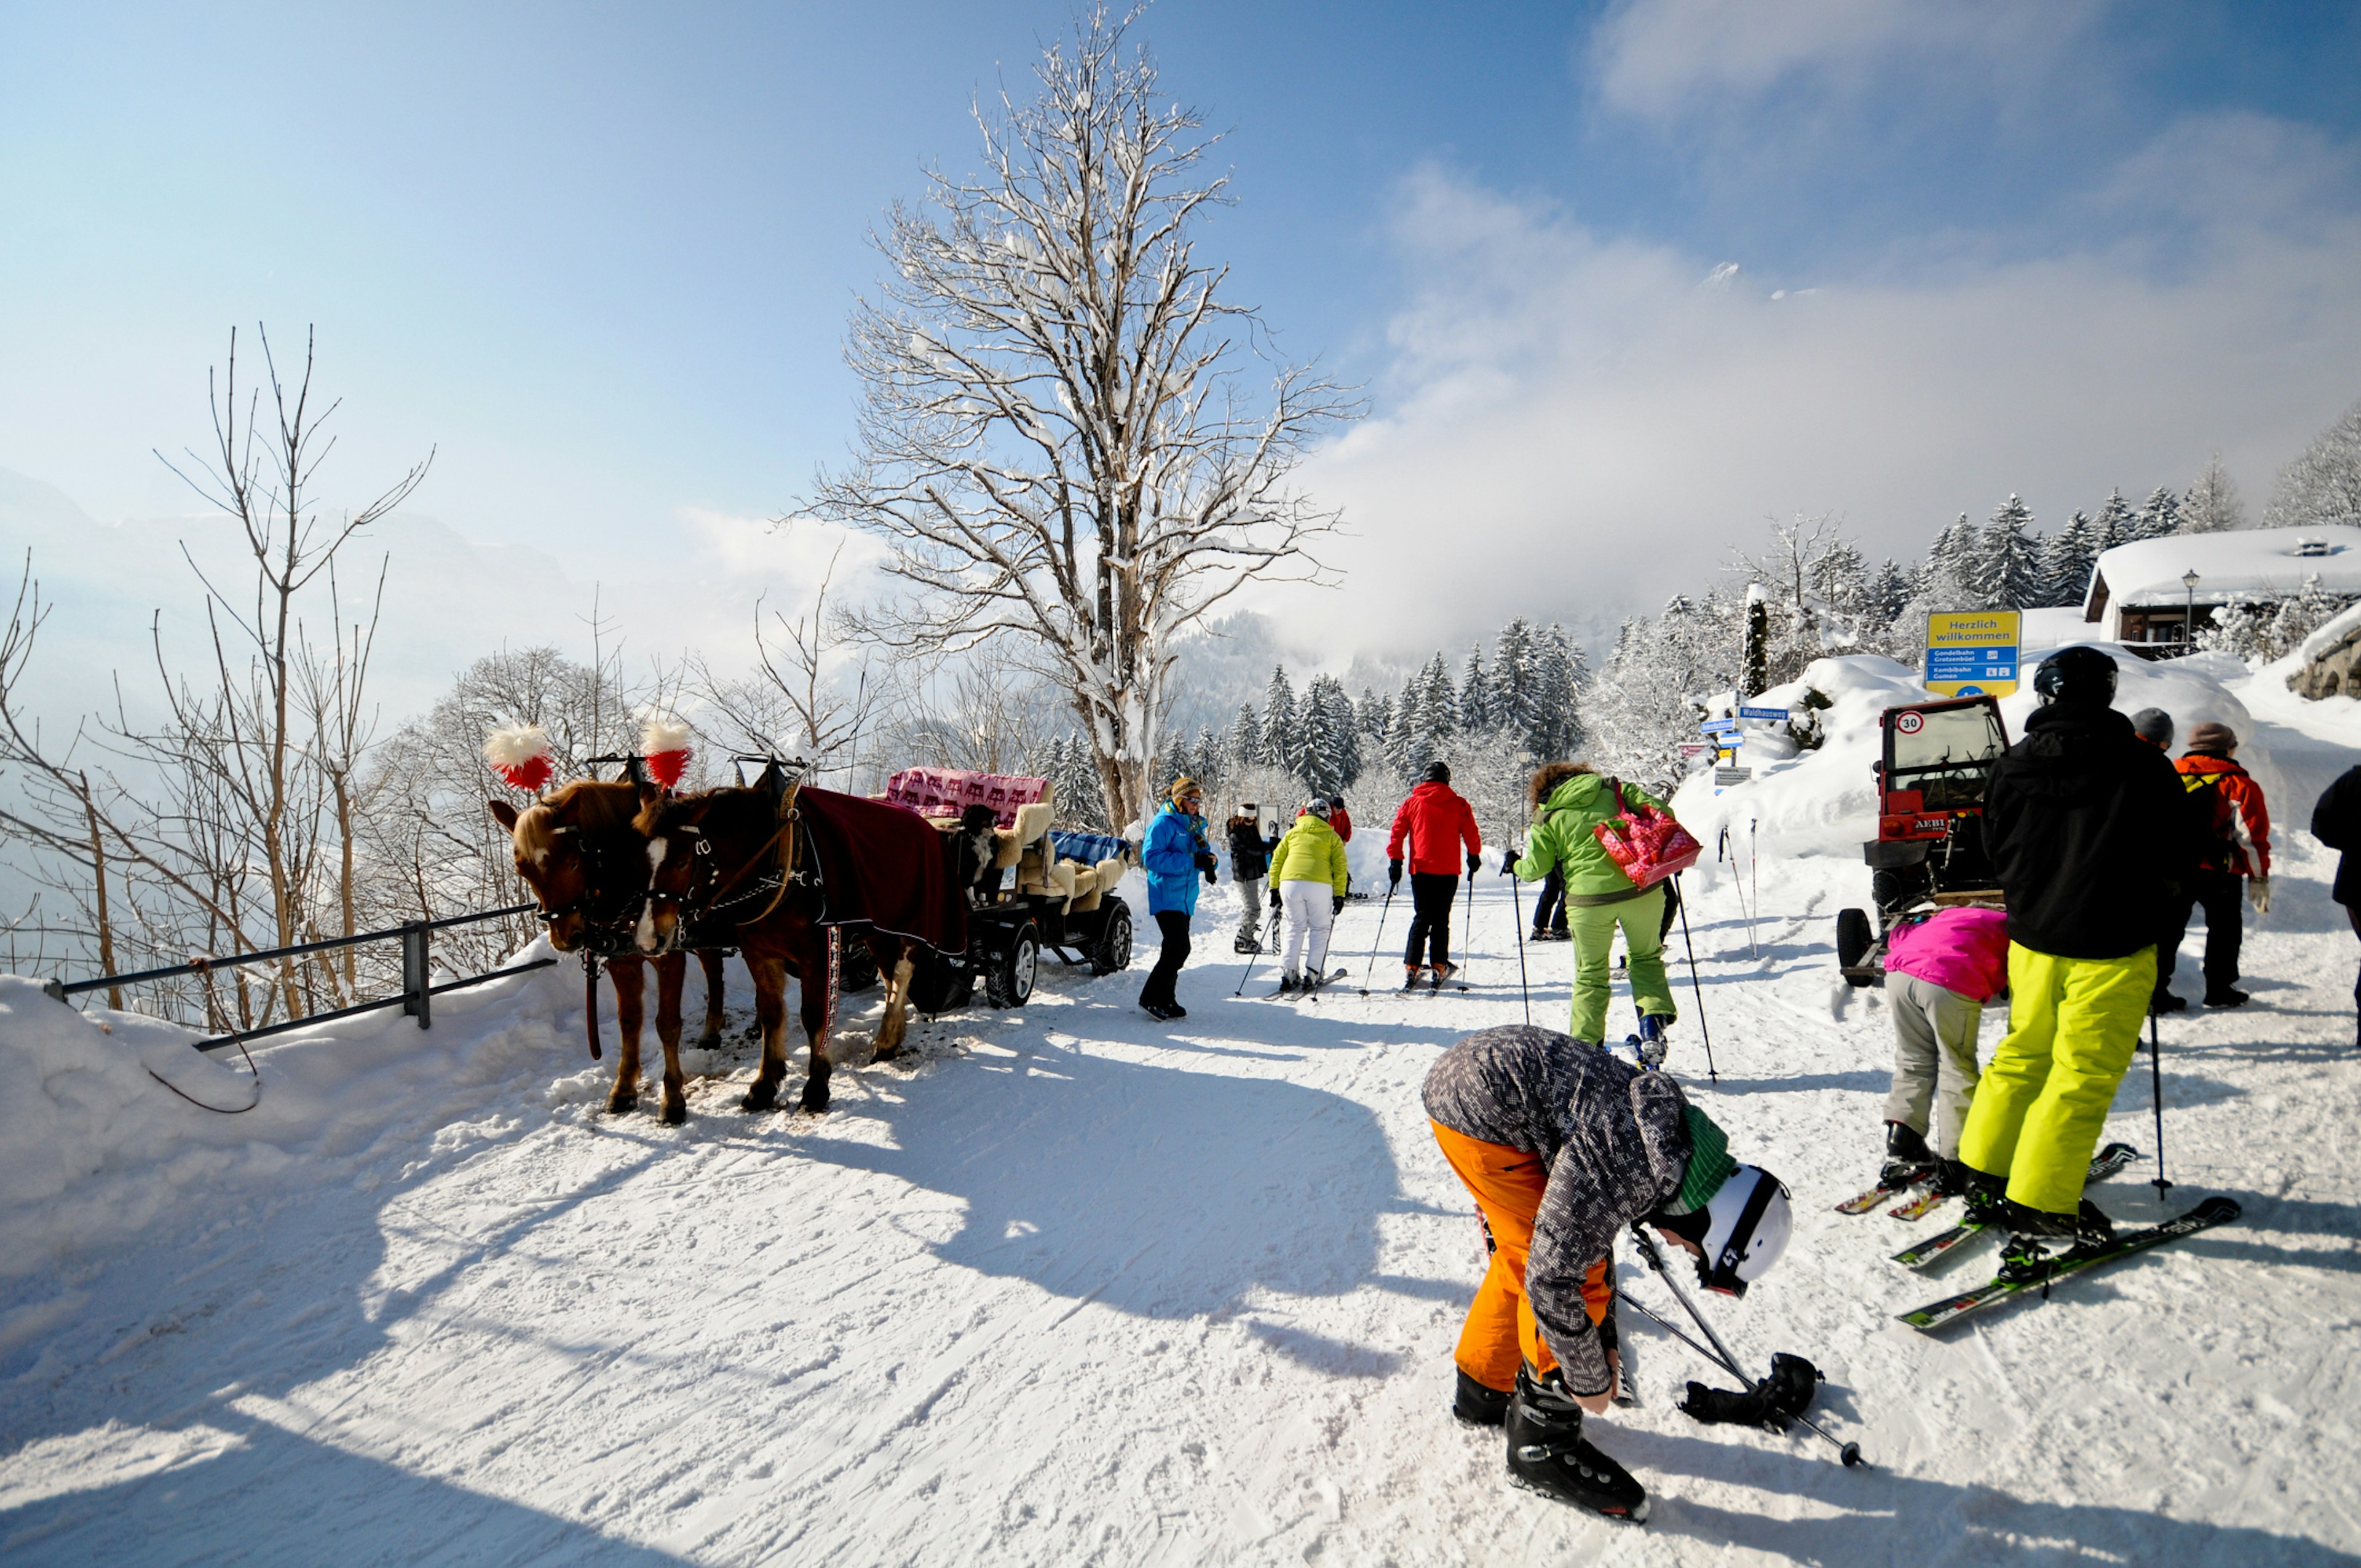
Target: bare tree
x: 795, y: 704
x: 1055, y: 437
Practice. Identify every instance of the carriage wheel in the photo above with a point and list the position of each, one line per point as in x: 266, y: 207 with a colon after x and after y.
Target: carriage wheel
x: 1112, y: 951
x: 1009, y: 983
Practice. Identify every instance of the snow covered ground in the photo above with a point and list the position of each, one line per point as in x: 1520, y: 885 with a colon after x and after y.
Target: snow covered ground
x: 1076, y: 1287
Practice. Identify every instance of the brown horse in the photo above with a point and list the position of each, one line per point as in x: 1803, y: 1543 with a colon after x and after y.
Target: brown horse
x: 588, y: 866
x: 745, y: 860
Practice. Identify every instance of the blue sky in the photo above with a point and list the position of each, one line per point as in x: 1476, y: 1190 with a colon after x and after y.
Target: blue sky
x: 603, y: 256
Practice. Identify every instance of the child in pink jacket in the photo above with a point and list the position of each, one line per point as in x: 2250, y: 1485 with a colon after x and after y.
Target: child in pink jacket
x: 1941, y: 969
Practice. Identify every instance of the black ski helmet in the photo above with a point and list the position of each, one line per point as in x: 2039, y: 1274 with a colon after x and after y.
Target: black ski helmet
x: 1438, y: 772
x: 2076, y: 674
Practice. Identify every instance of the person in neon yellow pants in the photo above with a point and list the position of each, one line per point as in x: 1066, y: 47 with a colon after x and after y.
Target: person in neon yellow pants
x: 2089, y: 844
x: 1592, y: 928
x: 2073, y: 1027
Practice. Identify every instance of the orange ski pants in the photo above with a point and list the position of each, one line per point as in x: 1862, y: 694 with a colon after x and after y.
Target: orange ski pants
x: 1501, y: 1331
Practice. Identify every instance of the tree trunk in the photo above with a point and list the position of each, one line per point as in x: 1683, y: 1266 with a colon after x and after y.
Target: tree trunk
x: 98, y: 879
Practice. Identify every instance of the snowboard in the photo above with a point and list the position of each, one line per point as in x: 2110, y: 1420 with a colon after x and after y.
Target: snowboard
x: 2105, y: 1163
x: 2213, y: 1212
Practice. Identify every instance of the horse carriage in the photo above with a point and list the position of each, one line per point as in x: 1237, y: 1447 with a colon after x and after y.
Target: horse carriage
x: 834, y: 889
x: 1027, y: 888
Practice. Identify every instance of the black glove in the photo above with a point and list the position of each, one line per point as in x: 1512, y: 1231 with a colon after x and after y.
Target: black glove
x: 1274, y: 901
x: 1474, y: 860
x: 1339, y: 908
x: 1510, y: 856
x: 1393, y: 873
x: 1205, y: 861
x: 1209, y: 876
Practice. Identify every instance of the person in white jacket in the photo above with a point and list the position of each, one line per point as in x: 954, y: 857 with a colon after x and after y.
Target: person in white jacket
x: 1308, y: 876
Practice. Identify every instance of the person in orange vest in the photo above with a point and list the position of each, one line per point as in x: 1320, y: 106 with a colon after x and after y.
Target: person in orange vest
x: 2236, y: 833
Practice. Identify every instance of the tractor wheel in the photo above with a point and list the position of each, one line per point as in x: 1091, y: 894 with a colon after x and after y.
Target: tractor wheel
x: 1854, y: 940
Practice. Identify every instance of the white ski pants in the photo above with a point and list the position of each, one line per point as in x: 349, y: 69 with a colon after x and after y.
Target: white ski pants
x: 1311, y: 910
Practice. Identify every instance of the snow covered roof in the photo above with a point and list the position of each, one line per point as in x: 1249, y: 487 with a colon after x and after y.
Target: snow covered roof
x: 2331, y: 634
x: 2233, y: 565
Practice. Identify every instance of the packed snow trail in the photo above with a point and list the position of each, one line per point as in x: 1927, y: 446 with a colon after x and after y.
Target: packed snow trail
x: 1077, y: 1287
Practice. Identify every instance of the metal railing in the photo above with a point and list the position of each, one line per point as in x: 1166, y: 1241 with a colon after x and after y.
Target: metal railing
x: 415, y: 998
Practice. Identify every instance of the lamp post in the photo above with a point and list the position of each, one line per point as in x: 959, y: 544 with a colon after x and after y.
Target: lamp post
x: 2188, y: 613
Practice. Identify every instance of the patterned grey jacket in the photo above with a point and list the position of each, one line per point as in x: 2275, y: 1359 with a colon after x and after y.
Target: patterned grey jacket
x: 1613, y: 1138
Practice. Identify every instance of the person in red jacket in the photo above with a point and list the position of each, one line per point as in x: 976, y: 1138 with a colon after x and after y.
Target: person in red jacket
x: 1339, y: 819
x: 1436, y: 821
x: 2237, y: 837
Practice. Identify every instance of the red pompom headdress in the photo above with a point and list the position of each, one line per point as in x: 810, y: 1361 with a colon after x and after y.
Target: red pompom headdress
x: 520, y: 754
x: 663, y: 745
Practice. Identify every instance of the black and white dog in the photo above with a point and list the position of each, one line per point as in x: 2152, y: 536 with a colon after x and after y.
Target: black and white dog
x: 973, y: 849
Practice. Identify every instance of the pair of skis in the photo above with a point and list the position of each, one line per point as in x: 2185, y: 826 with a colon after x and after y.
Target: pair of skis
x: 2212, y: 1211
x: 1311, y: 988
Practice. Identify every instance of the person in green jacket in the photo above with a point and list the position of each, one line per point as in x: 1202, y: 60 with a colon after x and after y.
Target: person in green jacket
x: 1569, y: 799
x: 1308, y: 875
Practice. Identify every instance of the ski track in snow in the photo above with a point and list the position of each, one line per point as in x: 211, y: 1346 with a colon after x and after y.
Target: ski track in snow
x: 1075, y: 1287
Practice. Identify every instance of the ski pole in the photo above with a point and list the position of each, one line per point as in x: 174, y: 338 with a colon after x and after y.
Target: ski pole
x: 1517, y: 914
x: 1696, y: 990
x: 1847, y: 1452
x: 1754, y: 871
x: 1378, y: 940
x: 2155, y: 1092
x: 1467, y: 933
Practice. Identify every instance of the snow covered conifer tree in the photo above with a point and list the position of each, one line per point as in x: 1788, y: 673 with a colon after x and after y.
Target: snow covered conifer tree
x: 1951, y: 578
x: 2158, y: 516
x: 1245, y: 739
x: 2114, y: 525
x: 1555, y: 731
x: 2322, y: 484
x: 1058, y: 438
x: 2066, y: 558
x: 1514, y: 673
x: 1438, y: 706
x: 1375, y: 715
x: 1475, y: 693
x: 1282, y: 726
x: 1890, y: 590
x: 2008, y: 573
x: 2212, y: 505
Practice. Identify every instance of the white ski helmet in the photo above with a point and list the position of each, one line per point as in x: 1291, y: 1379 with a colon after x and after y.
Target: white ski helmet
x: 1749, y: 1221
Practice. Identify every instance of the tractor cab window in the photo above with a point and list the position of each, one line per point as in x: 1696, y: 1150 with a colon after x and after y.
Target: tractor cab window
x: 1945, y: 753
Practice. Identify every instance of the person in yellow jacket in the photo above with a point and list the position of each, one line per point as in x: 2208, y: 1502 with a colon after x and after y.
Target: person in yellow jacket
x: 1308, y: 876
x: 1570, y: 800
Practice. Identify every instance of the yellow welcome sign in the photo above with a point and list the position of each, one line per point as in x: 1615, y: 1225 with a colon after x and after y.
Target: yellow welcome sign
x: 1971, y: 652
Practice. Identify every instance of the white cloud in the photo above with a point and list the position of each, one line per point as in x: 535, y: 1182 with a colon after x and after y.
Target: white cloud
x: 1577, y: 427
x: 1660, y: 58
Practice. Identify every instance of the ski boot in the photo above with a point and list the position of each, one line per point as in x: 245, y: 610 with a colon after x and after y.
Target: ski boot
x: 2166, y: 1001
x: 2031, y: 1232
x: 1547, y: 1454
x: 1652, y: 1042
x: 1287, y: 983
x: 1247, y: 944
x: 1478, y: 1406
x: 2227, y: 996
x: 1413, y: 977
x: 1950, y: 1178
x: 1907, y: 1158
x: 1443, y: 972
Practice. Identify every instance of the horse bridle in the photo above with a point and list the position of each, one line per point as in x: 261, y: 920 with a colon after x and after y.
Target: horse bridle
x: 697, y: 903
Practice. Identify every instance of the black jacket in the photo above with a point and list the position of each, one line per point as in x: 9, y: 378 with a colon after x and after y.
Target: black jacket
x: 2089, y: 831
x: 2336, y: 822
x: 1249, y: 850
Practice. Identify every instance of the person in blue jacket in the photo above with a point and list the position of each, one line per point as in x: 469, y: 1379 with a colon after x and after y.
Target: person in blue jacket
x: 1175, y: 854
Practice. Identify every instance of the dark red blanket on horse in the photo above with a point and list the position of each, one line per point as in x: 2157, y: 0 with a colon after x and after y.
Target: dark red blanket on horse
x: 884, y: 866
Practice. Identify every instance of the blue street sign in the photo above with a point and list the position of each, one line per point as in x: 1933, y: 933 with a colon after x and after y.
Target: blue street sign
x: 1721, y: 726
x: 1778, y: 714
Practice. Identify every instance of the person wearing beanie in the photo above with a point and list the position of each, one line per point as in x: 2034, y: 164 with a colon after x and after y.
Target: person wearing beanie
x: 1432, y: 825
x: 2234, y: 824
x: 1561, y: 1146
x: 2088, y: 834
x: 2154, y: 726
x: 1174, y: 854
x: 1339, y: 819
x: 1249, y: 860
x: 1308, y: 874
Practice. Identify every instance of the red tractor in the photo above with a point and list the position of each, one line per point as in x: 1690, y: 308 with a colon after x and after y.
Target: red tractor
x: 1938, y: 757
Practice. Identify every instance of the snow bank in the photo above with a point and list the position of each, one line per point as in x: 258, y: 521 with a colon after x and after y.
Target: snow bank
x: 95, y: 1143
x: 1824, y: 802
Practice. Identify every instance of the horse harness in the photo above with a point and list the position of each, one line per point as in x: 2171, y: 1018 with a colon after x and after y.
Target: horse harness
x: 701, y: 902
